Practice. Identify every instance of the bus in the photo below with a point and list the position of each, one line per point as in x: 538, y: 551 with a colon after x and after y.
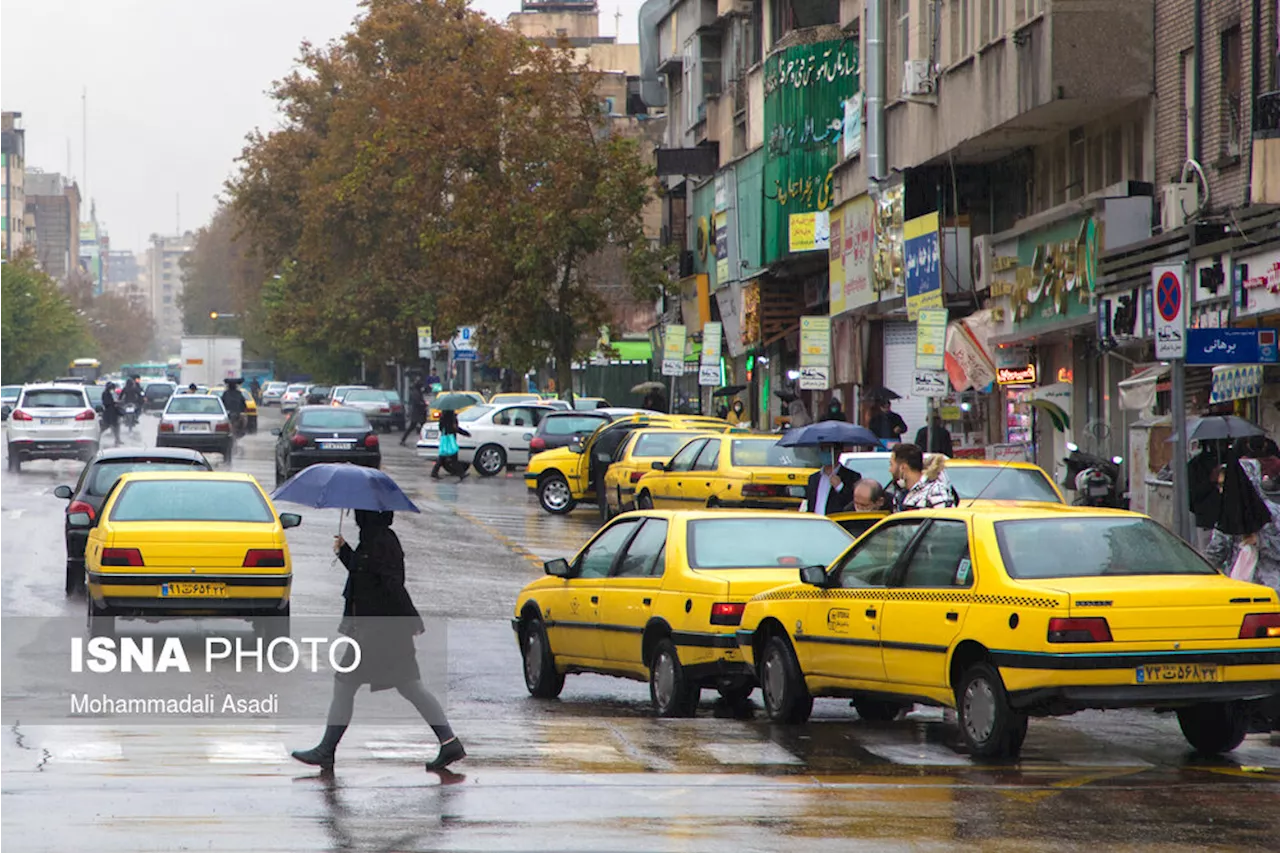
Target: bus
x: 148, y: 370
x: 86, y: 369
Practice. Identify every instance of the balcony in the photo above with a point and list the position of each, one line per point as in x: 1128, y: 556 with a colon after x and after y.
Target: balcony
x: 1265, y: 178
x: 1077, y: 62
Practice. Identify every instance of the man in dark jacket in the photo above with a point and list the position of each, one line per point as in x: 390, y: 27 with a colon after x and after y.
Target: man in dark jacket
x: 233, y: 402
x: 941, y: 438
x: 417, y: 411
x: 830, y: 489
x: 885, y: 422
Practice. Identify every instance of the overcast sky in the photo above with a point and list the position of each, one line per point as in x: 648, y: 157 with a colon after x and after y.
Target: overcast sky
x: 173, y: 87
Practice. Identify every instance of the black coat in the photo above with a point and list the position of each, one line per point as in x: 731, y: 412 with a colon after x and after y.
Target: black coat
x: 378, y: 612
x: 888, y: 424
x: 941, y: 440
x: 837, y: 501
x: 1202, y: 491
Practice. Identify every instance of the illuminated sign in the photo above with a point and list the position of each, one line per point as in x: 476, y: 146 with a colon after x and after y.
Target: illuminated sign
x: 1064, y: 374
x: 1016, y: 375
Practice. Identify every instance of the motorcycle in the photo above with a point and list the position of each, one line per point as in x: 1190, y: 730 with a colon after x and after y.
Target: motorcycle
x: 1095, y: 479
x: 129, y: 414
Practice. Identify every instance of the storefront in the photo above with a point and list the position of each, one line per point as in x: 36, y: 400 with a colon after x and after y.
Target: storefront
x: 1255, y: 289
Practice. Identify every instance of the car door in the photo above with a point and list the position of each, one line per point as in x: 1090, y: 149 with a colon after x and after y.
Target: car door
x: 627, y: 595
x: 841, y: 638
x: 927, y: 604
x: 703, y: 481
x: 517, y: 431
x: 574, y: 625
x: 667, y: 488
x: 599, y: 455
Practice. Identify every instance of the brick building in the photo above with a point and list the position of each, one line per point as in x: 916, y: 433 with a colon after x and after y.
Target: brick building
x: 54, y: 202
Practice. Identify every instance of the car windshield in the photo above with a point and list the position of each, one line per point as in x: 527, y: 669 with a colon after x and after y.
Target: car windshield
x: 192, y: 405
x: 393, y: 396
x: 765, y: 543
x: 363, y: 395
x: 158, y: 390
x: 571, y: 424
x: 53, y: 400
x: 273, y: 387
x: 191, y: 500
x: 763, y: 453
x: 333, y: 419
x: 992, y: 483
x: 872, y: 466
x: 474, y: 413
x: 105, y: 474
x: 246, y: 393
x: 1074, y: 547
x: 660, y: 445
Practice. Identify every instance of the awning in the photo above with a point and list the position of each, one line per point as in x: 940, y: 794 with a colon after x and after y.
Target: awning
x: 1138, y: 392
x: 1235, y: 382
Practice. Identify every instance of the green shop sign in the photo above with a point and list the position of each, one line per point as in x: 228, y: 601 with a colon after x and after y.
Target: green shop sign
x: 805, y: 88
x: 1057, y: 272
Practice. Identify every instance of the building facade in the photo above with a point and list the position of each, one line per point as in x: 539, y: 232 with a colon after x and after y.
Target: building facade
x: 54, y: 203
x: 164, y: 287
x: 13, y: 154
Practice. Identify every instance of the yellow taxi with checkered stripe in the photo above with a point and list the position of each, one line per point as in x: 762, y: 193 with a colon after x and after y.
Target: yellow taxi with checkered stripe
x: 656, y: 596
x: 177, y: 543
x: 1009, y: 612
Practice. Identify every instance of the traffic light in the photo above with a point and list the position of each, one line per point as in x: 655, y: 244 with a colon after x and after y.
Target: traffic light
x: 751, y: 366
x: 213, y: 315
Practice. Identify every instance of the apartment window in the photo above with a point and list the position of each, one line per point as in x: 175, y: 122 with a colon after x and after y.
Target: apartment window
x: 712, y: 77
x: 1232, y: 105
x: 168, y: 300
x: 791, y: 15
x: 1189, y: 101
x: 691, y: 99
x: 961, y: 35
x: 991, y: 24
x: 899, y: 44
x: 1115, y: 156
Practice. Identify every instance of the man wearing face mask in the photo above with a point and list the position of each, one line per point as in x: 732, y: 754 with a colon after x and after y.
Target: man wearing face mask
x: 923, y: 485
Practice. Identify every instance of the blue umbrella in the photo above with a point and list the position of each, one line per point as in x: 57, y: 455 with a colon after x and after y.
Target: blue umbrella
x: 829, y: 432
x: 342, y: 485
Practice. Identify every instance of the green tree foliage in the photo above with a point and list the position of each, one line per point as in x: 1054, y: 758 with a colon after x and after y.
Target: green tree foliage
x: 40, y: 329
x: 436, y: 167
x: 121, y: 333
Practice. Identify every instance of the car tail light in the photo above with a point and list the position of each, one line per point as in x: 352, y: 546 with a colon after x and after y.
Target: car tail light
x: 299, y: 440
x: 122, y: 557
x: 636, y: 475
x: 222, y: 427
x: 370, y: 440
x: 384, y: 411
x: 81, y: 506
x: 727, y: 612
x: 1092, y: 630
x: 263, y: 558
x: 1260, y: 626
x: 538, y: 443
x: 166, y: 426
x: 20, y: 415
x: 761, y: 490
x: 86, y: 415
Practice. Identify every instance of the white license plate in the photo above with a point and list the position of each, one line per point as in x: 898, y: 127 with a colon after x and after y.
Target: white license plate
x: 193, y: 427
x: 336, y: 445
x: 795, y: 491
x: 54, y: 421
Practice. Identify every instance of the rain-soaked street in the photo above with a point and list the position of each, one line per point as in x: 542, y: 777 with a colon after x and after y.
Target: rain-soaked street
x: 593, y: 770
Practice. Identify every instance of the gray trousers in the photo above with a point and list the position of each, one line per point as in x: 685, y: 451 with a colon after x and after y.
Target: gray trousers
x: 344, y: 702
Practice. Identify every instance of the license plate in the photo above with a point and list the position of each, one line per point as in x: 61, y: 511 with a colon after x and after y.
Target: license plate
x: 1177, y: 673
x: 193, y: 427
x: 336, y: 445
x: 185, y: 589
x: 54, y: 421
x: 795, y: 491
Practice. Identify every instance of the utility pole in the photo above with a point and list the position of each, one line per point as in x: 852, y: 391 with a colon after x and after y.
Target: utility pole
x: 84, y: 142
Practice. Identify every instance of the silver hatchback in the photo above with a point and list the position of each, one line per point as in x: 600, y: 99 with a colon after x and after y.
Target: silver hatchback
x: 196, y: 422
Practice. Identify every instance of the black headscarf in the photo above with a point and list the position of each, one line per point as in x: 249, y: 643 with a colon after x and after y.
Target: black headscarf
x: 1243, y: 510
x: 370, y: 520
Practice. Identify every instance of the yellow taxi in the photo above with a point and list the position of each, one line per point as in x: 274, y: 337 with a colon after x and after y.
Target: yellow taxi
x: 1008, y: 612
x: 656, y: 596
x: 514, y: 397
x: 172, y: 543
x: 458, y: 400
x: 741, y: 471
x: 563, y: 477
x: 634, y: 459
x: 250, y: 410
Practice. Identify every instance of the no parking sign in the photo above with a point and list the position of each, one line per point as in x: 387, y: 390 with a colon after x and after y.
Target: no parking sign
x: 1170, y: 297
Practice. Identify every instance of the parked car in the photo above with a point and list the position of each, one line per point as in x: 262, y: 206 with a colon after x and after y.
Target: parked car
x: 52, y: 422
x: 250, y: 410
x: 500, y: 436
x: 587, y: 404
x: 272, y: 393
x: 514, y: 397
x: 324, y: 434
x: 155, y: 395
x: 559, y: 429
x: 397, y: 409
x: 973, y: 479
x: 740, y: 471
x: 374, y: 403
x: 95, y: 482
x: 292, y: 398
x: 339, y: 392
x: 318, y: 394
x: 197, y: 422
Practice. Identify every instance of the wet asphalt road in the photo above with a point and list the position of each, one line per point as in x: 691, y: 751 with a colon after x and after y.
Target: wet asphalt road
x: 592, y: 770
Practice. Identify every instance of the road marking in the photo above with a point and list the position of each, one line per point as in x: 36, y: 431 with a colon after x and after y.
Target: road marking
x: 245, y: 752
x: 16, y: 513
x: 750, y: 753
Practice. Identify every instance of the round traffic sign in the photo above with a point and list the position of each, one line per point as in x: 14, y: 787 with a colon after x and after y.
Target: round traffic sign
x: 1168, y: 297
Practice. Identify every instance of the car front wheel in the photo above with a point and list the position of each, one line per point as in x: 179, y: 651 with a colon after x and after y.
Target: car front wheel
x: 786, y: 697
x: 554, y: 495
x: 990, y: 726
x: 1213, y: 727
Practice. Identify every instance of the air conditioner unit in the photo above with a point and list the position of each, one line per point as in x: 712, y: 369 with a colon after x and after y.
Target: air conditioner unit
x: 917, y: 77
x: 1177, y: 203
x: 983, y: 257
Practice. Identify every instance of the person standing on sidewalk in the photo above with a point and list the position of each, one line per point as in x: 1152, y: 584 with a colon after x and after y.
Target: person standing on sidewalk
x: 379, y: 614
x: 417, y: 411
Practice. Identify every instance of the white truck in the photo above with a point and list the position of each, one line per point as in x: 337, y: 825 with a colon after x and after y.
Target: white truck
x: 209, y: 359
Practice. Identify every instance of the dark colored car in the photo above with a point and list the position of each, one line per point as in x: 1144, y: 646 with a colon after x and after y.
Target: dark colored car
x: 96, y: 479
x: 397, y: 410
x: 318, y: 394
x: 316, y: 434
x: 156, y: 396
x: 560, y: 429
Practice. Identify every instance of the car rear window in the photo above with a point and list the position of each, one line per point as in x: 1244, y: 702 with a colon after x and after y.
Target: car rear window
x: 53, y: 400
x: 297, y: 389
x: 765, y: 543
x: 572, y: 424
x: 191, y: 500
x: 991, y: 483
x: 1075, y: 547
x: 321, y: 390
x: 586, y: 404
x: 181, y: 405
x: 757, y: 453
x: 333, y: 419
x: 105, y: 474
x: 158, y: 390
x: 660, y: 445
x: 361, y: 395
x: 10, y: 392
x: 474, y: 413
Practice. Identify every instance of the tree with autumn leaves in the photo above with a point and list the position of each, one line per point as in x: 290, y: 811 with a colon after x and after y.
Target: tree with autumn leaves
x: 436, y: 168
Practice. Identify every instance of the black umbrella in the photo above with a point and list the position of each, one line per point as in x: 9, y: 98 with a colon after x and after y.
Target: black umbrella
x: 1219, y: 426
x: 729, y: 391
x: 881, y: 393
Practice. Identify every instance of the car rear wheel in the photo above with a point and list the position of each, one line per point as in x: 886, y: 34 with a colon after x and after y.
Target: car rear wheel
x: 644, y: 501
x: 990, y: 726
x: 878, y: 711
x: 490, y: 460
x: 786, y: 698
x: 15, y: 463
x: 98, y: 624
x: 672, y: 693
x: 540, y: 675
x: 602, y: 500
x: 272, y: 627
x: 75, y: 577
x: 1213, y: 727
x: 554, y: 495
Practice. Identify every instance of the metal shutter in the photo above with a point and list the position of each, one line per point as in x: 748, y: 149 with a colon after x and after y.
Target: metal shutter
x: 899, y: 364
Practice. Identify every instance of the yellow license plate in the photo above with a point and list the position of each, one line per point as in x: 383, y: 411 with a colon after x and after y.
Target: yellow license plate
x: 1177, y: 673
x: 186, y: 589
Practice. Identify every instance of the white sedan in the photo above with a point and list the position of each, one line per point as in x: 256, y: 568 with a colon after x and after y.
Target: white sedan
x: 293, y: 397
x: 500, y: 436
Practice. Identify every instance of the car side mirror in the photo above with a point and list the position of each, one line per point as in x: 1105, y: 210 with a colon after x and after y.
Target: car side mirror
x: 575, y: 446
x: 604, y: 457
x: 528, y: 436
x: 275, y: 431
x: 79, y: 520
x: 63, y: 492
x: 558, y: 568
x: 658, y: 466
x: 290, y: 519
x: 814, y: 575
